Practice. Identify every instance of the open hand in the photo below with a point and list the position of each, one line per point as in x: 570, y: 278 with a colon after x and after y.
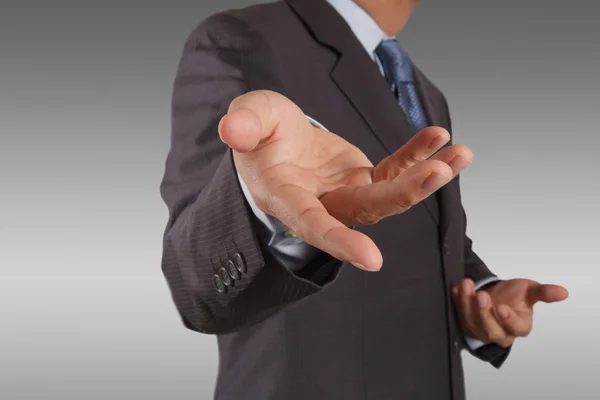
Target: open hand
x: 503, y: 312
x: 318, y: 184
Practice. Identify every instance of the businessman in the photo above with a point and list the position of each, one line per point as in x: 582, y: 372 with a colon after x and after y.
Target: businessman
x: 316, y: 224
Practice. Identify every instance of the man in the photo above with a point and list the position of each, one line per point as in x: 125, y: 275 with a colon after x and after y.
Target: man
x: 277, y: 224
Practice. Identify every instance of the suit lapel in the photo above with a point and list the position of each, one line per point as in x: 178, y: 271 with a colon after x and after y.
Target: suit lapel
x: 359, y: 79
x: 356, y: 75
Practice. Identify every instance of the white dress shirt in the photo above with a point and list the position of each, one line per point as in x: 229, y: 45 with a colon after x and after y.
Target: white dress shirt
x: 286, y: 247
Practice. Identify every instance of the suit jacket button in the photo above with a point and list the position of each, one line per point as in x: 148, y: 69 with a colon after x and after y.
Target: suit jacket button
x: 456, y: 344
x: 225, y: 278
x: 233, y: 271
x: 219, y: 285
x: 240, y: 263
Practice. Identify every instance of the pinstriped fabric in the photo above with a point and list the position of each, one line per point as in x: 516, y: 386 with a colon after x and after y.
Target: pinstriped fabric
x: 210, y: 232
x: 210, y: 220
x: 317, y: 348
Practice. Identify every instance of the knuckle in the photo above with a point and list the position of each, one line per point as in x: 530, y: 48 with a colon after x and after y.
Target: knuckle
x: 405, y: 203
x: 440, y: 167
x: 364, y: 217
x: 390, y: 171
x: 311, y: 236
x: 306, y: 213
x: 409, y: 159
x: 327, y: 232
x: 361, y: 215
x: 406, y: 199
x: 302, y: 225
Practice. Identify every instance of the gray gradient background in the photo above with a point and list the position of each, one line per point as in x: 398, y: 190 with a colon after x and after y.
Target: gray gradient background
x: 84, y: 122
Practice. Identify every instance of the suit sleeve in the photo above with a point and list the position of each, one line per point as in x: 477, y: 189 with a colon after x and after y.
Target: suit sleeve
x: 220, y: 277
x: 476, y: 270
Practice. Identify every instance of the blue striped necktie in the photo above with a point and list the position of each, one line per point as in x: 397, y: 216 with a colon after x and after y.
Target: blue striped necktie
x: 398, y: 71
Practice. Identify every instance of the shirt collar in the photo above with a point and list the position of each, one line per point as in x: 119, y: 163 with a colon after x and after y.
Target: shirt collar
x: 368, y: 33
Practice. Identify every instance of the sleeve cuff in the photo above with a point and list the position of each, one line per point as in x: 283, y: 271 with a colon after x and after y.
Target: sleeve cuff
x: 316, y: 123
x: 473, y: 343
x: 485, y: 282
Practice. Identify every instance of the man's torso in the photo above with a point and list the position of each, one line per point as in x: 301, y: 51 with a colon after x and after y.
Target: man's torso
x: 370, y: 335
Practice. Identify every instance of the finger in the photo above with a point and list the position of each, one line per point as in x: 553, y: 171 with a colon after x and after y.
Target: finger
x: 512, y: 323
x: 419, y: 148
x: 456, y: 291
x: 546, y: 293
x: 307, y: 217
x: 462, y: 313
x: 253, y: 118
x: 494, y: 332
x: 365, y: 205
x: 466, y: 296
x: 458, y: 157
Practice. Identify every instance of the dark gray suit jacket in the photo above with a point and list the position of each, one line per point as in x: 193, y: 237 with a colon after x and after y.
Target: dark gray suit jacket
x: 330, y: 331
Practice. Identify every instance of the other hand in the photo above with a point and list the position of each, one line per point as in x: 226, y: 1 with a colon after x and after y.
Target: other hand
x: 503, y: 312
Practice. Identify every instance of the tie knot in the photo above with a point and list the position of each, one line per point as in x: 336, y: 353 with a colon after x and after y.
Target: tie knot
x: 396, y: 63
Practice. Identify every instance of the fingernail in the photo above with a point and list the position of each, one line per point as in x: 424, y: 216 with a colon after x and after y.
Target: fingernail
x: 360, y: 266
x: 483, y: 301
x: 364, y: 268
x: 433, y: 182
x: 503, y: 312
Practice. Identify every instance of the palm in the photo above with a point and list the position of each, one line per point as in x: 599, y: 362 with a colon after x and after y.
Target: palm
x: 522, y: 294
x: 514, y: 301
x: 523, y: 310
x: 318, y: 184
x: 514, y: 294
x: 505, y: 311
x: 317, y: 162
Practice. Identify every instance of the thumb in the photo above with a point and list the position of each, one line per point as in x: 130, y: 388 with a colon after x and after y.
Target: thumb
x: 546, y: 293
x: 253, y: 118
